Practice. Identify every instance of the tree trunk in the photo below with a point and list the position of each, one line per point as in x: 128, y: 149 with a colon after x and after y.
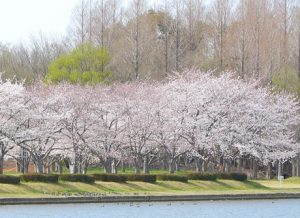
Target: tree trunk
x: 18, y: 167
x: 47, y: 169
x: 1, y: 164
x: 185, y: 161
x: 172, y: 166
x: 72, y: 168
x: 53, y: 167
x: 39, y: 166
x: 298, y: 165
x: 227, y: 166
x: 165, y: 163
x: 25, y: 168
x: 107, y: 166
x: 239, y: 164
x: 84, y: 167
x: 59, y: 167
x: 24, y: 161
x: 146, y: 165
x: 137, y: 162
x: 79, y: 164
x: 279, y: 169
x: 222, y: 164
x: 73, y: 165
x: 269, y: 171
x: 177, y: 165
x: 254, y: 169
x: 244, y: 164
x: 123, y: 166
x: 204, y: 166
x: 198, y: 164
x: 294, y: 166
x: 113, y: 167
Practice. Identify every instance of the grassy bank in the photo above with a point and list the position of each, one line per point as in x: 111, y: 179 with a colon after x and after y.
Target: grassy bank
x: 160, y: 188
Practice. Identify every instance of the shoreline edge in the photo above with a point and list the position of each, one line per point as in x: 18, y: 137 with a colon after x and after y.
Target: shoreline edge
x: 145, y: 199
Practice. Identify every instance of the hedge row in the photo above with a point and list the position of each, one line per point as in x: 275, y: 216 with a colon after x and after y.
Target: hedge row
x: 233, y: 176
x: 215, y: 176
x: 141, y: 178
x: 51, y: 178
x: 110, y: 178
x: 48, y: 178
x: 77, y: 178
x: 9, y: 180
x: 202, y: 176
x: 167, y: 177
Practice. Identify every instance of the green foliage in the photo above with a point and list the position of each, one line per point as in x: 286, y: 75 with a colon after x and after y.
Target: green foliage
x: 110, y: 178
x: 84, y: 65
x: 9, y: 180
x: 233, y: 176
x: 202, y: 176
x: 168, y: 177
x: 47, y: 178
x: 77, y: 178
x: 141, y: 178
x: 287, y: 79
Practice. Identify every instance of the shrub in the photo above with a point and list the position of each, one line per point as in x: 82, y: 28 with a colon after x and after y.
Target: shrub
x: 141, y: 178
x: 233, y: 176
x: 77, y: 178
x: 239, y: 176
x: 177, y: 178
x: 202, y: 176
x: 9, y: 179
x: 47, y: 178
x: 110, y: 178
x: 225, y: 176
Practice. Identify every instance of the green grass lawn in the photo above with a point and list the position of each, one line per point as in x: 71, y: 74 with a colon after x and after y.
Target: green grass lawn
x: 160, y: 188
x: 291, y: 185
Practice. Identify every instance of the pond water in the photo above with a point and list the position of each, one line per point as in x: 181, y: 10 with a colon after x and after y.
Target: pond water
x: 213, y: 209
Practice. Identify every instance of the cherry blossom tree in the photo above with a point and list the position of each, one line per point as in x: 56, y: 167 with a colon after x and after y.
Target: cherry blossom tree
x: 76, y: 124
x: 12, y: 103
x: 228, y: 116
x: 39, y: 134
x: 170, y: 124
x: 141, y: 108
x: 211, y: 119
x: 107, y: 141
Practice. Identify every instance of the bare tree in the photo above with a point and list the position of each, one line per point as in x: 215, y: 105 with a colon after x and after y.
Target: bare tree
x: 194, y: 32
x: 80, y: 26
x: 284, y: 16
x: 243, y: 36
x: 178, y: 35
x: 220, y: 19
x: 165, y: 33
x: 135, y: 35
x: 299, y: 58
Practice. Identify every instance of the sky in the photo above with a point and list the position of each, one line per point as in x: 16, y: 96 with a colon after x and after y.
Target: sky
x: 20, y: 19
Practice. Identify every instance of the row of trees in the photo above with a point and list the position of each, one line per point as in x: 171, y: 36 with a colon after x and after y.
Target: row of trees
x: 204, y: 118
x: 252, y: 37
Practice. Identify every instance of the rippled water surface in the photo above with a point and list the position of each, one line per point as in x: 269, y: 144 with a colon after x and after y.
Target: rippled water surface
x: 223, y: 209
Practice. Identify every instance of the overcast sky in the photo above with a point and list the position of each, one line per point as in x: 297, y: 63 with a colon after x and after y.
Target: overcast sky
x: 20, y: 19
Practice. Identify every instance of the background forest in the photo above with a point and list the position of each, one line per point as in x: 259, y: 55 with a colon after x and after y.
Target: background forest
x: 139, y: 40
